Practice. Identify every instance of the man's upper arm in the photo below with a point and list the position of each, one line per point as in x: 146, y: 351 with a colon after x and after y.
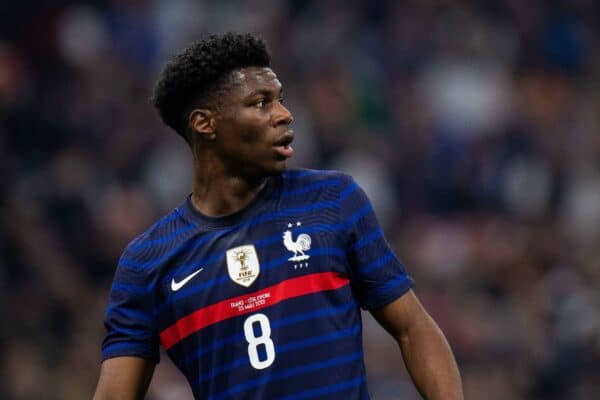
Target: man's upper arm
x: 377, y: 276
x: 397, y: 316
x: 426, y: 352
x: 130, y: 323
x: 124, y: 378
x: 130, y: 349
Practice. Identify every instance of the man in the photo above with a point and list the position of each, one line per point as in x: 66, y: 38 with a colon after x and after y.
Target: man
x: 253, y: 285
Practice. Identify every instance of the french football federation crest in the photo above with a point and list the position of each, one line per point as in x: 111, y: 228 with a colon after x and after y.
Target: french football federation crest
x: 298, y: 246
x: 243, y: 265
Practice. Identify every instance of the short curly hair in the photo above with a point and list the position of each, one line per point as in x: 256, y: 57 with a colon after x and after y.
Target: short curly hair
x: 194, y: 76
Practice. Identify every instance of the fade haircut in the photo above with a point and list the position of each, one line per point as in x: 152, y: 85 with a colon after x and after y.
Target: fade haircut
x: 195, y: 76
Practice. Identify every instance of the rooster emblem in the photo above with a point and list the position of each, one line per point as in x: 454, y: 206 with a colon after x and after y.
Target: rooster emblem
x: 298, y: 246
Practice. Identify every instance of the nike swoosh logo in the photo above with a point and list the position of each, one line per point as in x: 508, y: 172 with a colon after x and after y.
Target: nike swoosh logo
x: 175, y: 286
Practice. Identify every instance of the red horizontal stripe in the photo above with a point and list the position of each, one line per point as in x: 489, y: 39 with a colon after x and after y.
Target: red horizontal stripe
x: 250, y: 302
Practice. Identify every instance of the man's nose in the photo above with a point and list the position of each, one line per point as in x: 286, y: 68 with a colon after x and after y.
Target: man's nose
x: 282, y: 116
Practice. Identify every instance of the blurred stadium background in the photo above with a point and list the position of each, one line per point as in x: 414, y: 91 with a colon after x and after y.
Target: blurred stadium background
x: 473, y: 125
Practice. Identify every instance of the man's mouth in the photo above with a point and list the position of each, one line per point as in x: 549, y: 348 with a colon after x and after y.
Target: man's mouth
x: 283, y: 144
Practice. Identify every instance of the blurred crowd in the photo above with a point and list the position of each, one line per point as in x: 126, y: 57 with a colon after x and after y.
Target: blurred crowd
x: 473, y: 125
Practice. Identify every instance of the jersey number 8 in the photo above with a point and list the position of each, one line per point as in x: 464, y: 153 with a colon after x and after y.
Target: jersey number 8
x: 263, y: 339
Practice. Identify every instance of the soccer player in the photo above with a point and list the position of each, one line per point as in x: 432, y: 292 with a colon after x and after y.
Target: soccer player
x: 254, y: 284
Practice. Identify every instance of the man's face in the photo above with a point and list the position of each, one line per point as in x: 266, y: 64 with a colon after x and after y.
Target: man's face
x: 253, y: 134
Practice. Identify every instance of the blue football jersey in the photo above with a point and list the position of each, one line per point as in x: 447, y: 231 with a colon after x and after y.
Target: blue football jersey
x: 264, y: 303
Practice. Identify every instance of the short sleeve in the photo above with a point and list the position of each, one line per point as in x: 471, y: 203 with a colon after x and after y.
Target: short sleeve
x: 129, y: 322
x: 377, y: 276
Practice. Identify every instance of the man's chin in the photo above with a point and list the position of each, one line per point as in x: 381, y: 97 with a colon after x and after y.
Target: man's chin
x: 278, y: 168
x: 264, y: 171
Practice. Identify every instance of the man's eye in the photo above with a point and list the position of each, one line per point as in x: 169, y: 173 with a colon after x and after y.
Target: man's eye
x: 260, y: 104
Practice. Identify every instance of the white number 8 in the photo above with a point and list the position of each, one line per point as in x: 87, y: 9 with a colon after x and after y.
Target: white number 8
x: 255, y: 341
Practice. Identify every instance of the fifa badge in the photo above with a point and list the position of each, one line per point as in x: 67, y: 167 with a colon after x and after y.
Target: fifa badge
x: 242, y: 264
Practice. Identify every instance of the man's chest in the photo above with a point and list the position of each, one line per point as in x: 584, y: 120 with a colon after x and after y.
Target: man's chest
x: 252, y: 266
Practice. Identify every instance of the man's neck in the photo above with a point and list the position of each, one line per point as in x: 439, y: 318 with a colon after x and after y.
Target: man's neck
x: 217, y: 195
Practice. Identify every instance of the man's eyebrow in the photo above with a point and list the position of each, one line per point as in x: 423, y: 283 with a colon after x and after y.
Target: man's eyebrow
x: 265, y: 92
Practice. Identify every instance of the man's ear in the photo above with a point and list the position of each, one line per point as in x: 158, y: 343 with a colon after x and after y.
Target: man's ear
x: 203, y: 122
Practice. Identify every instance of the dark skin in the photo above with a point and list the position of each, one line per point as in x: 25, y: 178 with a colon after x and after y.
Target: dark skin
x: 236, y: 146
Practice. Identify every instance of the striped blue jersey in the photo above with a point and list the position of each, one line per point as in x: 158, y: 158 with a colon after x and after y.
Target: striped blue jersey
x: 264, y: 303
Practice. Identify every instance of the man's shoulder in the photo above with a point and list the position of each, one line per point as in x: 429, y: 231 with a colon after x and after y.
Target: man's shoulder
x: 302, y: 177
x: 158, y: 239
